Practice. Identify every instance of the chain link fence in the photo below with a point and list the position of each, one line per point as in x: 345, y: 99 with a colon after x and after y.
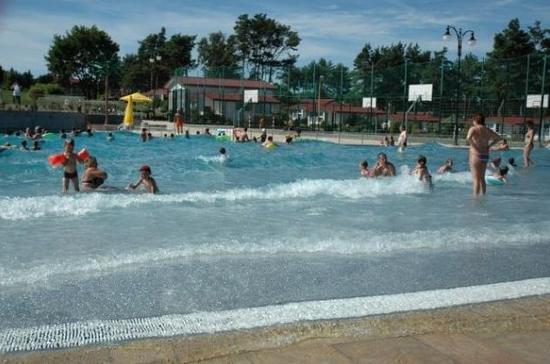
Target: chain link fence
x: 507, y: 91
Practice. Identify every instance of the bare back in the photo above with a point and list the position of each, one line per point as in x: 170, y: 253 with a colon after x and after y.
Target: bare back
x: 481, y: 139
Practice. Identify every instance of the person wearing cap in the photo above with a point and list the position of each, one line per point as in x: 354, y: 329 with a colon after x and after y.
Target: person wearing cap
x: 146, y: 180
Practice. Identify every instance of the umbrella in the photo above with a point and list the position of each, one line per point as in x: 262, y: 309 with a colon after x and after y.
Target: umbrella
x: 136, y: 97
x: 129, y: 112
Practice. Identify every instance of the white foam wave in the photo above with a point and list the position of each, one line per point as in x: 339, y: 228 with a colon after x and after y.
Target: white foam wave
x: 368, y: 243
x: 21, y: 208
x: 213, y: 159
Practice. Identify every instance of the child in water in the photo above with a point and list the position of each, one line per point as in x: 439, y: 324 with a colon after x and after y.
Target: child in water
x: 421, y: 170
x: 223, y: 154
x: 501, y: 174
x: 446, y: 168
x: 364, y: 168
x: 146, y: 180
x: 70, y: 173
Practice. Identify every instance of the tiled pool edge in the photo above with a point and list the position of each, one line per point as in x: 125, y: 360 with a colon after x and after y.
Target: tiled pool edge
x: 107, y: 332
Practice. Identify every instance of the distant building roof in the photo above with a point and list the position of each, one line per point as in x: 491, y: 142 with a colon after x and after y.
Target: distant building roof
x: 219, y: 82
x: 419, y: 116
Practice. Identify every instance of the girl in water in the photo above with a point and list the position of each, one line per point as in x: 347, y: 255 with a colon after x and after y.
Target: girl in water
x: 93, y: 177
x: 421, y: 170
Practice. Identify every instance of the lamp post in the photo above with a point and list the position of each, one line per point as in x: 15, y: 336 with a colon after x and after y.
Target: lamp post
x: 154, y: 60
x: 321, y: 78
x: 459, y: 36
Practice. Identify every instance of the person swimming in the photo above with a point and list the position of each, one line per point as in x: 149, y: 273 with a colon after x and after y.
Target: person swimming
x: 143, y: 135
x: 421, y: 170
x: 93, y: 176
x: 24, y: 145
x: 110, y: 137
x: 512, y: 162
x: 187, y: 136
x: 383, y: 168
x: 36, y: 145
x: 447, y: 167
x: 364, y: 168
x: 223, y: 154
x: 495, y: 163
x: 269, y: 143
x: 146, y: 180
x: 501, y: 174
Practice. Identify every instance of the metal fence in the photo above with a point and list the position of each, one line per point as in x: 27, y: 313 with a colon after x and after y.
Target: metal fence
x: 509, y: 92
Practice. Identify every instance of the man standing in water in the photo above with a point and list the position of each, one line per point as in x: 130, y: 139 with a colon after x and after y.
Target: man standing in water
x: 481, y: 139
x: 529, y: 144
x: 383, y: 167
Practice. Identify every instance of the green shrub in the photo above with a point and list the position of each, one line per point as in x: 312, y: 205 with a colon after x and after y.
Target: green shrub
x: 41, y: 89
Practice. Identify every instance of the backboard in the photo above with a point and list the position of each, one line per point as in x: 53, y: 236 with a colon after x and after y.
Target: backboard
x: 424, y: 91
x: 251, y: 96
x: 369, y: 102
x: 533, y: 101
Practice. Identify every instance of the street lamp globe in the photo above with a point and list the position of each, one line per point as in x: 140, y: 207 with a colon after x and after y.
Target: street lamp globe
x: 158, y: 58
x: 151, y: 60
x: 447, y: 35
x: 472, y: 40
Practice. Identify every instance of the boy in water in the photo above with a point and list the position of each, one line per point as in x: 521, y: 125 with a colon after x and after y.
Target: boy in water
x: 364, y: 168
x: 446, y: 168
x: 383, y: 167
x: 146, y: 180
x: 421, y: 170
x: 481, y: 139
x: 70, y: 173
x: 529, y: 144
x: 143, y: 135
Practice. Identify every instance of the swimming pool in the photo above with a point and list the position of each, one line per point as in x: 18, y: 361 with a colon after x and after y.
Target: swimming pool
x: 295, y: 224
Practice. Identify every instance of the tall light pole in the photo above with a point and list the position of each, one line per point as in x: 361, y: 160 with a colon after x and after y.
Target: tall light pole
x: 321, y: 78
x: 472, y: 41
x: 154, y: 60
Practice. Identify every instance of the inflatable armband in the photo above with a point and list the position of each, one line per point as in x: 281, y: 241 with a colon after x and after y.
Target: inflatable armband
x: 83, y: 154
x: 57, y: 159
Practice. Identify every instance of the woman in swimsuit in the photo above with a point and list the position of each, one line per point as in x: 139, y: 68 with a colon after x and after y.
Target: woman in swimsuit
x: 529, y: 144
x: 93, y: 177
x: 481, y: 139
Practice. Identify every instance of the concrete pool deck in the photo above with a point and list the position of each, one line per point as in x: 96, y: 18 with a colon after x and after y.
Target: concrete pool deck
x: 510, y: 331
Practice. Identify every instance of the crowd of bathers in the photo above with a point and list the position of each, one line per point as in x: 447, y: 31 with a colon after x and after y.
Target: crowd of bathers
x: 481, y: 141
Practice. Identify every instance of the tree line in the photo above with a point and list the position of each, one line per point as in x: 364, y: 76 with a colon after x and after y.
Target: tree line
x: 263, y: 48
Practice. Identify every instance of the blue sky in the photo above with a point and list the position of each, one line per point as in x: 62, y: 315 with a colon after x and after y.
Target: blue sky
x: 330, y: 29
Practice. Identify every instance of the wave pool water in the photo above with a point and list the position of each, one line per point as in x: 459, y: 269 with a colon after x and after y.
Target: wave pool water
x: 265, y: 228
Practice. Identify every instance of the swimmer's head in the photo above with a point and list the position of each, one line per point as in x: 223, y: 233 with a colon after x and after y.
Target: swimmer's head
x: 69, y: 144
x: 496, y: 161
x: 402, y: 128
x: 364, y: 164
x: 91, y: 162
x: 449, y: 162
x: 512, y: 162
x: 503, y: 171
x: 529, y: 124
x: 24, y: 143
x: 222, y: 151
x: 382, y: 157
x: 422, y: 160
x: 478, y: 119
x: 145, y: 170
x: 270, y: 138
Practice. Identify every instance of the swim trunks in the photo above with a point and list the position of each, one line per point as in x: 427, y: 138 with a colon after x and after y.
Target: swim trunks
x: 70, y: 175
